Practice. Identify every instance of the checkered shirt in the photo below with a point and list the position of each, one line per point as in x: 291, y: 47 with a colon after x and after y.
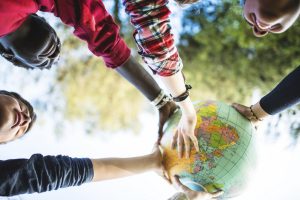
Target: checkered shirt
x: 151, y: 19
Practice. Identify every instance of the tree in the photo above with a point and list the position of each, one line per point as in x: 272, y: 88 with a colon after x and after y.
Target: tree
x: 224, y: 60
x: 93, y: 93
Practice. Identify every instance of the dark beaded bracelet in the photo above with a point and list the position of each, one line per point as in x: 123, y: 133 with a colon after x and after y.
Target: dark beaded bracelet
x: 253, y: 113
x: 184, y: 95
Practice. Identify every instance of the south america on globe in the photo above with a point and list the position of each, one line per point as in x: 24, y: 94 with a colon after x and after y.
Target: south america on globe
x: 227, y: 154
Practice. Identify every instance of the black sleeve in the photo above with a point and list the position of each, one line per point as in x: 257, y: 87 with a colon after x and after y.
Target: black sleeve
x: 284, y: 95
x: 41, y: 174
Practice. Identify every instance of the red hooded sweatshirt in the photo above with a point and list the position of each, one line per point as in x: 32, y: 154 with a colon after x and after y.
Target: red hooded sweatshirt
x: 91, y: 22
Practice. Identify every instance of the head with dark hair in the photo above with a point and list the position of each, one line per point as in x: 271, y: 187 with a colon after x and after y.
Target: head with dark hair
x: 271, y: 16
x: 16, y: 116
x: 33, y: 45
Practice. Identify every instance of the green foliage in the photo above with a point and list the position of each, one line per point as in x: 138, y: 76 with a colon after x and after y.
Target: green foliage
x: 223, y: 60
x: 123, y: 21
x: 94, y: 93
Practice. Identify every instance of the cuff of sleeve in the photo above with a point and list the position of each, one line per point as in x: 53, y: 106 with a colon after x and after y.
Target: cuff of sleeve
x: 166, y: 73
x: 90, y: 170
x: 266, y: 107
x: 118, y: 55
x: 166, y: 67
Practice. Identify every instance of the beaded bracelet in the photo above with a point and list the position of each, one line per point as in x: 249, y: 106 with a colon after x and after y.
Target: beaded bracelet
x: 160, y: 100
x: 163, y: 102
x: 253, y: 113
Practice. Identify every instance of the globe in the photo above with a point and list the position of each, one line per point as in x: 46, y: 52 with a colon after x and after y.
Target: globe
x: 227, y: 153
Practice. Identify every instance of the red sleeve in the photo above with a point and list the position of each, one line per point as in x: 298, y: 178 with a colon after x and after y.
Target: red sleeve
x: 14, y: 13
x: 93, y: 24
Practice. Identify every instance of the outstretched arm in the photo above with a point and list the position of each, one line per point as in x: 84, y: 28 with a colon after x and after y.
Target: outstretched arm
x: 156, y: 45
x: 135, y: 73
x: 93, y: 24
x: 45, y: 173
x: 110, y: 168
x: 283, y: 96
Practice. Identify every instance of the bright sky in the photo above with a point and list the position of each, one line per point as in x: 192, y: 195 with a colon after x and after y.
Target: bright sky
x: 276, y: 176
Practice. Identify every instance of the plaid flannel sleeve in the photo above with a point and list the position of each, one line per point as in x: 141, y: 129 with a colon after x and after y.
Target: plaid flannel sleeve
x: 151, y: 19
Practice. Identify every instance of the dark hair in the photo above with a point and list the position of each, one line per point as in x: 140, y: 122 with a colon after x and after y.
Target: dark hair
x: 14, y: 61
x: 32, y: 23
x: 29, y: 106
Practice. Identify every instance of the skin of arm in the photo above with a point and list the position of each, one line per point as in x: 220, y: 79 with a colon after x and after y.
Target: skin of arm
x: 175, y: 84
x: 111, y: 168
x: 185, y: 130
x: 135, y: 73
x: 283, y: 96
x: 257, y: 110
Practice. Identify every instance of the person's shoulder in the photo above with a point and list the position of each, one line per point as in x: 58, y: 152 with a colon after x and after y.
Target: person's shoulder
x: 13, y: 13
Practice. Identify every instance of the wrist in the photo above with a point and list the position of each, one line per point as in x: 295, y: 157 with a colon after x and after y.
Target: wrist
x: 258, y: 111
x: 187, y: 107
x: 161, y: 100
x: 182, y: 96
x: 154, y: 161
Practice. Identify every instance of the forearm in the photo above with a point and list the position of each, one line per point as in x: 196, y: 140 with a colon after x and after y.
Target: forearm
x: 284, y: 95
x: 153, y: 36
x: 132, y: 71
x: 176, y: 86
x: 41, y: 174
x: 259, y: 112
x: 111, y: 168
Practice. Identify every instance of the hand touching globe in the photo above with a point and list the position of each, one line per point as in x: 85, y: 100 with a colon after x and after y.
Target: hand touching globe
x: 227, y: 151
